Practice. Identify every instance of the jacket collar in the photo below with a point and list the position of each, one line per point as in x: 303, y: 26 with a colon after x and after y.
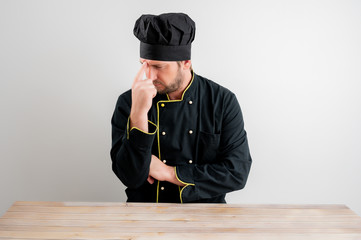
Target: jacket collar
x: 188, y: 92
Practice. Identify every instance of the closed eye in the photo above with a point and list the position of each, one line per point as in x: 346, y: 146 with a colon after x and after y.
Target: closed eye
x: 157, y: 66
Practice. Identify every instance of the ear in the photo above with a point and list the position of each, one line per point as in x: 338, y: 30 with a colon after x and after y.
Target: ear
x: 187, y: 64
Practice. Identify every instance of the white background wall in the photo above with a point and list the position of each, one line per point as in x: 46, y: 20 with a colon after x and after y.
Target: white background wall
x: 295, y: 67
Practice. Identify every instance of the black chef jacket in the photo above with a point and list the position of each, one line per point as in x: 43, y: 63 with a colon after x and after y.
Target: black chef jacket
x: 201, y: 134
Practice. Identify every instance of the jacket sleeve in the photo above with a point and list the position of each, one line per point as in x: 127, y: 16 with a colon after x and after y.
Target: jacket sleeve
x: 230, y: 170
x: 131, y: 148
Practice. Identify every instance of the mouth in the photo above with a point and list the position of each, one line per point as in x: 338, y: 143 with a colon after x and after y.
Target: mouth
x: 157, y: 83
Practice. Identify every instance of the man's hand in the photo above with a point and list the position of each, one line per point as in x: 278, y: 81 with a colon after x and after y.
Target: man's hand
x: 162, y: 172
x: 143, y: 91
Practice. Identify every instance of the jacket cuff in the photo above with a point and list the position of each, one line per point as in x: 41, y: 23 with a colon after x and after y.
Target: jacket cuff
x: 184, y: 174
x: 141, y: 138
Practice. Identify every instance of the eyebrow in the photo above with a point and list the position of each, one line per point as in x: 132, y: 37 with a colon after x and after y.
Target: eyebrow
x: 155, y: 65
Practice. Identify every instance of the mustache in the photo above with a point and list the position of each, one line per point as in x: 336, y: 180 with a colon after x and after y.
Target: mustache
x: 156, y: 81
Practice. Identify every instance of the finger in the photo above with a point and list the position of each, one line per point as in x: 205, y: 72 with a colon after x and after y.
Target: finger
x: 147, y: 72
x: 141, y: 71
x: 144, y: 84
x: 150, y: 73
x: 154, y: 92
x: 150, y: 180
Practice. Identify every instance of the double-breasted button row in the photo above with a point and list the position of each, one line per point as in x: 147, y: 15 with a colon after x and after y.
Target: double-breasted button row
x: 189, y: 161
x: 190, y: 102
x: 190, y: 132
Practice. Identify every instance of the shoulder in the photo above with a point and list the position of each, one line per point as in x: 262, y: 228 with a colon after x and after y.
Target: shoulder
x: 124, y: 101
x: 215, y: 90
x: 125, y: 97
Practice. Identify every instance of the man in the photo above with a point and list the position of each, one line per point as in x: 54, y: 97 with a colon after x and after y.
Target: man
x: 176, y: 136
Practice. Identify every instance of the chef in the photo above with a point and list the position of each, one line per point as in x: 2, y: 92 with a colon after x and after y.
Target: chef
x: 176, y: 136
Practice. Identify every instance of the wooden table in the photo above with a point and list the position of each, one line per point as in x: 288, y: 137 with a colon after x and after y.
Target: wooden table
x: 79, y: 220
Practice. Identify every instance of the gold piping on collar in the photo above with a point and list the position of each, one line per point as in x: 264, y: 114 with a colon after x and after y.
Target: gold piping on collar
x: 183, y: 91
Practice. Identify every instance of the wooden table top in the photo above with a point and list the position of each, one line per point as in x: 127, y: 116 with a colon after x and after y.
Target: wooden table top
x: 136, y: 221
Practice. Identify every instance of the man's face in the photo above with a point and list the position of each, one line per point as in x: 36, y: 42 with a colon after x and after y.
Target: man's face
x: 167, y: 76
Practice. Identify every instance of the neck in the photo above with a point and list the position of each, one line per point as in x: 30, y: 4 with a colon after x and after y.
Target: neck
x: 177, y: 95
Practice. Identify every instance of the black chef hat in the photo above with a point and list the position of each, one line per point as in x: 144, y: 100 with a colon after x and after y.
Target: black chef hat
x: 166, y: 37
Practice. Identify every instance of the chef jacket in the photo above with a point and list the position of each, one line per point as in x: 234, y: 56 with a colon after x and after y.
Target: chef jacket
x: 202, y: 135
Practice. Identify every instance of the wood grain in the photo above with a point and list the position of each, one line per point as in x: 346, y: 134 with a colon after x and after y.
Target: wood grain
x: 110, y: 220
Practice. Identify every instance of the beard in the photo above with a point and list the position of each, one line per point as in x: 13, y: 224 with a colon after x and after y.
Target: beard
x: 173, y: 86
